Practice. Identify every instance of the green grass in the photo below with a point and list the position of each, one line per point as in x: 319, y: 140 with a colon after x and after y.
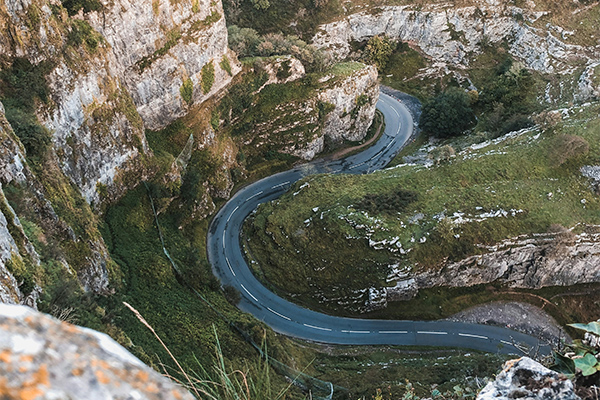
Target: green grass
x: 334, y: 258
x: 362, y: 370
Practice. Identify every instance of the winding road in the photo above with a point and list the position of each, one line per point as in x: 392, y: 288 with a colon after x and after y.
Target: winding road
x: 228, y: 263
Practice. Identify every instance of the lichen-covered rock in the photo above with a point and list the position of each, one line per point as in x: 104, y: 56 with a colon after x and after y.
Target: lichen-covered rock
x: 44, y: 358
x: 452, y: 35
x: 528, y: 379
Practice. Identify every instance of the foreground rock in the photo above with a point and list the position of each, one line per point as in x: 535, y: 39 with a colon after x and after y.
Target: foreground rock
x: 528, y: 379
x: 44, y: 358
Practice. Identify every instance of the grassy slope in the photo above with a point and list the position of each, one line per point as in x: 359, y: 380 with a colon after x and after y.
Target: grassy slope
x: 516, y: 173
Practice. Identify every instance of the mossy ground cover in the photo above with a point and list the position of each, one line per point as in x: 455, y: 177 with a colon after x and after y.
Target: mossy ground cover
x: 519, y: 173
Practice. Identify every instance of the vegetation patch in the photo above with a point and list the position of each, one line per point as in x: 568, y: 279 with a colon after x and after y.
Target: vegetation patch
x: 207, y: 77
x: 173, y: 37
x: 225, y: 65
x: 22, y: 86
x: 187, y: 90
x: 83, y: 34
x: 74, y: 6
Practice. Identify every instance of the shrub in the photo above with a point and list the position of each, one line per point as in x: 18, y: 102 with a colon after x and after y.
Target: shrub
x: 82, y: 33
x: 187, y: 90
x: 208, y: 77
x: 447, y: 114
x: 21, y: 86
x: 73, y: 6
x: 284, y: 70
x: 567, y: 147
x: 231, y: 294
x: 225, y: 65
x: 378, y: 51
x: 388, y: 203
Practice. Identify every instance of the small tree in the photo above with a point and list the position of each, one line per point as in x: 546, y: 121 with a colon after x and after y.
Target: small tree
x: 447, y: 114
x: 378, y: 51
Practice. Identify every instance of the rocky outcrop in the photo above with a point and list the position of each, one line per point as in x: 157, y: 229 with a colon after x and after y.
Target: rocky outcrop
x: 526, y: 263
x: 282, y: 69
x: 349, y: 106
x: 561, y: 259
x: 354, y: 99
x: 528, y: 379
x: 161, y: 44
x: 588, y: 85
x: 43, y: 357
x: 450, y: 35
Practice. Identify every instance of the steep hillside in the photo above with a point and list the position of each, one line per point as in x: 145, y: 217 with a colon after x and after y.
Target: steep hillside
x: 519, y: 211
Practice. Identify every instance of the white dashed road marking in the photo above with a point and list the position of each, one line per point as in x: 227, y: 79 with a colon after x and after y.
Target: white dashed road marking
x: 251, y: 295
x: 231, y: 269
x: 276, y: 313
x: 473, y: 336
x: 317, y: 327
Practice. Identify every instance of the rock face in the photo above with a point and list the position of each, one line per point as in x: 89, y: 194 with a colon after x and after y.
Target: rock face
x: 588, y: 86
x: 529, y: 263
x: 353, y: 102
x: 525, y: 378
x: 109, y: 74
x: 548, y: 260
x: 167, y: 44
x: 452, y: 35
x: 43, y: 357
x: 144, y: 55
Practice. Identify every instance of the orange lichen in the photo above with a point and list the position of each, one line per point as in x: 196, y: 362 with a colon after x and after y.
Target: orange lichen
x: 102, y: 378
x: 26, y: 358
x: 77, y: 371
x: 176, y: 394
x: 141, y: 376
x: 30, y: 393
x: 152, y: 388
x: 5, y: 356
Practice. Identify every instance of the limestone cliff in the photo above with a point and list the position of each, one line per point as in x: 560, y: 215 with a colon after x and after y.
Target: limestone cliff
x: 98, y: 80
x: 452, y: 35
x: 168, y: 44
x: 342, y: 110
x: 524, y: 262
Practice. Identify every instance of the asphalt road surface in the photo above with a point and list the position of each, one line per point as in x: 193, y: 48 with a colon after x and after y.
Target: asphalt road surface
x: 228, y: 263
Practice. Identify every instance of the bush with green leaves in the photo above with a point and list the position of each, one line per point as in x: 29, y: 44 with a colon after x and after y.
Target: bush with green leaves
x: 22, y: 86
x: 448, y: 114
x: 226, y: 65
x: 378, y: 51
x: 74, y: 6
x: 581, y: 359
x: 247, y: 42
